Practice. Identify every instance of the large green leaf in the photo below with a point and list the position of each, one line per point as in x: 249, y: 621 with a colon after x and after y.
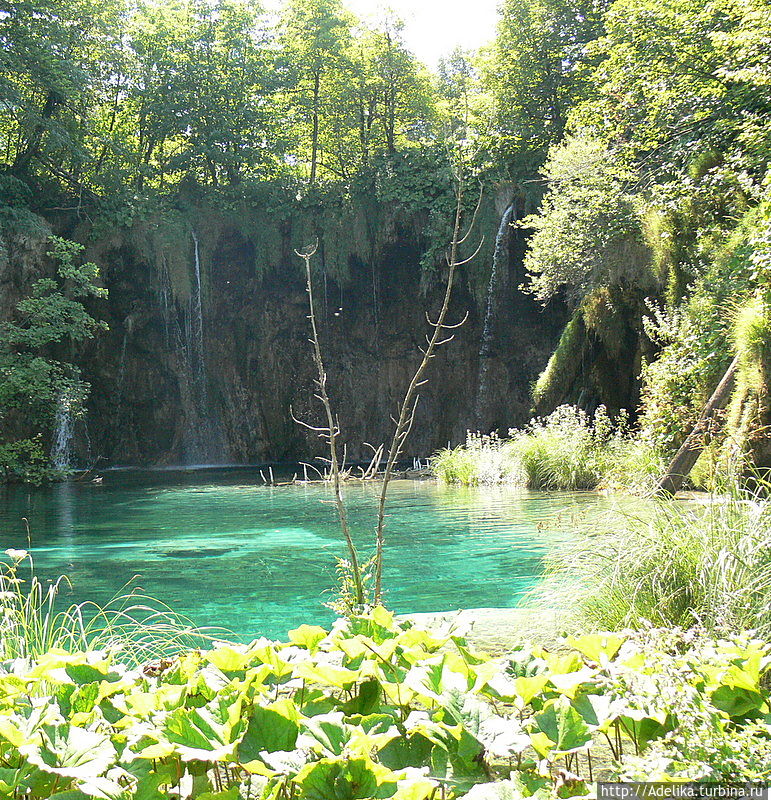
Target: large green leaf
x: 209, y: 733
x: 340, y: 779
x: 598, y: 647
x: 563, y: 726
x: 70, y: 752
x: 327, y: 733
x: 307, y: 636
x: 597, y: 710
x: 367, y: 698
x: 327, y: 675
x: 412, y: 750
x: 229, y: 659
x: 271, y: 728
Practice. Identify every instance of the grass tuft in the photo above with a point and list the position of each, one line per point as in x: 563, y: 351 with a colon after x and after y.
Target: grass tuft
x: 681, y: 564
x: 131, y: 626
x: 565, y: 451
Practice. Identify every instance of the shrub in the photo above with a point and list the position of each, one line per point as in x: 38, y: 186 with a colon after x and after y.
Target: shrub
x: 566, y: 450
x: 26, y: 461
x: 483, y: 460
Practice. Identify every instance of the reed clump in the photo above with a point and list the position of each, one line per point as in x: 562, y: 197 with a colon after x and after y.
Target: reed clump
x: 34, y: 620
x: 677, y: 563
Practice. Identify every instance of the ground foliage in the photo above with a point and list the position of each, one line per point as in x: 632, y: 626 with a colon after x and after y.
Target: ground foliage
x: 373, y: 708
x: 567, y: 450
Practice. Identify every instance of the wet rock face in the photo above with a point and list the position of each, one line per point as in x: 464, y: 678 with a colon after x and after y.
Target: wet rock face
x: 156, y: 400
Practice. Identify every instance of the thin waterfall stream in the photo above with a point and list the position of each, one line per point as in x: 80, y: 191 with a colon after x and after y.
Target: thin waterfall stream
x: 64, y: 430
x: 498, y: 276
x: 196, y: 305
x: 204, y: 437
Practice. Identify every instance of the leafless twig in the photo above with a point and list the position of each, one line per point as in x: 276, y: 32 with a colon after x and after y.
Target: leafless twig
x: 409, y: 404
x: 332, y: 429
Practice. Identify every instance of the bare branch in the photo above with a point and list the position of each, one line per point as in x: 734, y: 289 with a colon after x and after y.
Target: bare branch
x: 470, y: 228
x: 473, y: 255
x: 409, y: 405
x: 333, y: 428
x: 449, y: 326
x: 306, y: 255
x: 317, y: 429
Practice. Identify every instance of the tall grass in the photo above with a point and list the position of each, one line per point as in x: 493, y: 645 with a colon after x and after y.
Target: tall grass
x: 676, y: 564
x: 131, y: 626
x: 566, y: 450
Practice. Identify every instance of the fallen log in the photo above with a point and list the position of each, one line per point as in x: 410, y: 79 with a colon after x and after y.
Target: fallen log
x: 690, y: 450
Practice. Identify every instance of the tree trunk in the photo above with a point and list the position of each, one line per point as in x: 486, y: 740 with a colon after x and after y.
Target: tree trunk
x: 690, y: 450
x: 315, y: 133
x: 32, y: 149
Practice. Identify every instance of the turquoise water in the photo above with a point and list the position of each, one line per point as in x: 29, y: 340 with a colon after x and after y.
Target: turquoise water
x: 226, y: 551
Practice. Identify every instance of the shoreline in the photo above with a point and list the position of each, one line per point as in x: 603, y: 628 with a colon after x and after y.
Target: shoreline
x: 494, y: 630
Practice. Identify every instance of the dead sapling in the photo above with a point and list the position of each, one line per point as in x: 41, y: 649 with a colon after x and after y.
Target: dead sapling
x: 330, y: 432
x: 440, y: 335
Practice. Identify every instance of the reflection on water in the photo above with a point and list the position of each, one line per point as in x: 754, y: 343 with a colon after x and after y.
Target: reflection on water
x: 226, y: 551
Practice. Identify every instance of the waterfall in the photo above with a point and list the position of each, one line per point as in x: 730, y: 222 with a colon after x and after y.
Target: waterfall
x: 204, y: 439
x: 498, y: 274
x: 196, y: 321
x: 121, y: 379
x: 64, y: 426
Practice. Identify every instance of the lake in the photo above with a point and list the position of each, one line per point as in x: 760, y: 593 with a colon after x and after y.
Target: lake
x: 223, y: 549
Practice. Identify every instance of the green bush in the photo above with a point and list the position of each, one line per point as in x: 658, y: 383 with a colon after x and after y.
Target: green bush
x: 27, y: 462
x: 566, y: 451
x: 32, y: 383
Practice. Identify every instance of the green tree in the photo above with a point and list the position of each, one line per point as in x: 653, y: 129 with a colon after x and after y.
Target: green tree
x: 315, y: 36
x: 35, y: 373
x: 52, y: 67
x: 538, y: 69
x: 379, y: 99
x: 588, y: 233
x: 204, y: 91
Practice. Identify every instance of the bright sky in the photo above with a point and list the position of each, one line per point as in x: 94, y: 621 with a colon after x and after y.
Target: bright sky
x: 433, y: 28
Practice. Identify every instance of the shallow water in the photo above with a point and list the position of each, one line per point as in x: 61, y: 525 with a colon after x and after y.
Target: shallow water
x: 224, y: 550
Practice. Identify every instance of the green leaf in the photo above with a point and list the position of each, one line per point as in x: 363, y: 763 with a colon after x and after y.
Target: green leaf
x: 645, y: 729
x: 271, y: 728
x: 596, y: 710
x: 527, y: 688
x: 338, y: 779
x: 367, y: 699
x: 70, y: 752
x: 413, y: 750
x: 327, y: 675
x: 307, y: 636
x: 329, y: 732
x: 564, y: 727
x: 569, y: 683
x: 208, y: 733
x: 598, y: 647
x: 228, y: 659
x: 736, y: 701
x: 416, y: 789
